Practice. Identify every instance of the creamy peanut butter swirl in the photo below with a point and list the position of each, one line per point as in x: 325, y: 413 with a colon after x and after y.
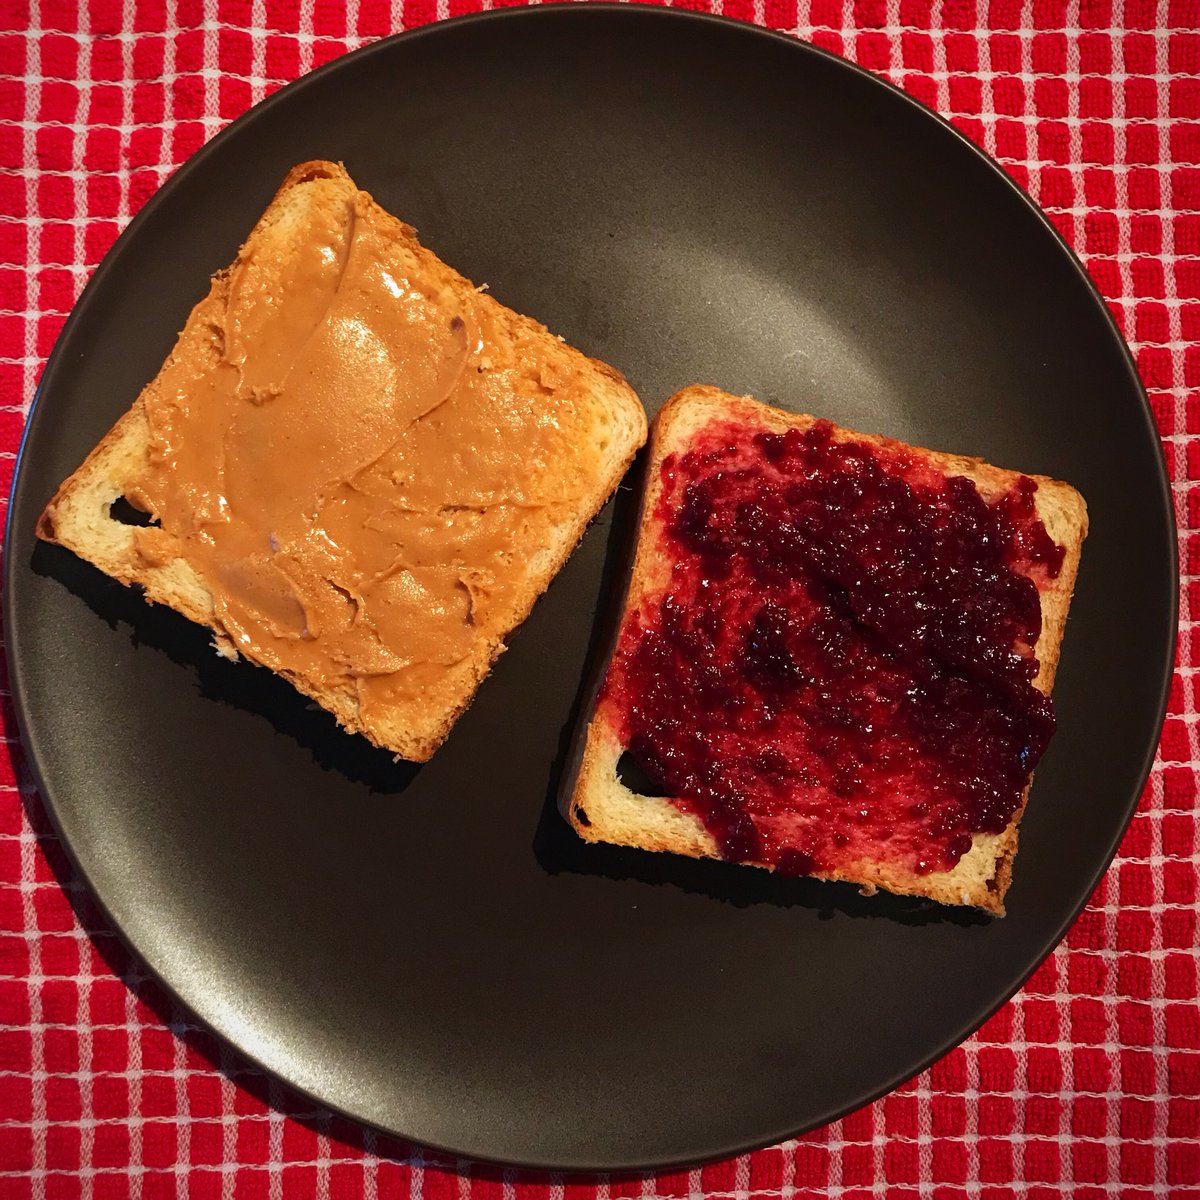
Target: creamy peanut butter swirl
x: 357, y: 459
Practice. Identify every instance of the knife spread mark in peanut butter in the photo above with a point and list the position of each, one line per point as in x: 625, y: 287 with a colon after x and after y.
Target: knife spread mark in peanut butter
x: 348, y: 463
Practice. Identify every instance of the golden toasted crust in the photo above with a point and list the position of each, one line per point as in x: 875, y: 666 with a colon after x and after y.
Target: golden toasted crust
x: 601, y: 809
x: 78, y: 516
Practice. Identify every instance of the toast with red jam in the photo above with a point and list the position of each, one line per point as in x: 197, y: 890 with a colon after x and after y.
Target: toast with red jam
x: 835, y: 657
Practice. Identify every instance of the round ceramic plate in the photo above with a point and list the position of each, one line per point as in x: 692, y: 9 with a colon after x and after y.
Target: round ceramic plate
x: 430, y: 950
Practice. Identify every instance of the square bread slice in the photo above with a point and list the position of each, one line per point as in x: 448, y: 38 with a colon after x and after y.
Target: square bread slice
x: 355, y: 467
x: 603, y: 797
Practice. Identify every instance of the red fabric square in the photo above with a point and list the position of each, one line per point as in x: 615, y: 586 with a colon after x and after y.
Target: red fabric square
x: 150, y: 105
x: 1183, y: 1163
x: 811, y: 1166
x: 1178, y: 928
x: 997, y: 1115
x: 948, y: 1117
x: 950, y: 1162
x: 1096, y: 142
x: 780, y: 14
x: 1183, y: 1073
x: 859, y: 1126
x: 901, y: 1163
x: 1137, y: 1073
x: 1008, y: 96
x: 1042, y: 1161
x: 62, y: 1147
x: 900, y: 1116
x: 1089, y: 1162
x: 1185, y: 187
x: 870, y: 13
x: 1006, y: 53
x: 207, y: 1185
x: 1140, y: 52
x: 1049, y: 56
x: 1095, y: 98
x: 962, y: 52
x: 58, y: 56
x: 374, y: 19
x: 234, y: 51
x: 916, y: 51
x: 1141, y: 103
x: 966, y: 95
x: 282, y: 58
x: 1137, y: 1119
x: 1145, y: 234
x: 255, y: 1185
x: 110, y: 1145
x: 1043, y: 1070
x: 1011, y: 139
x: 766, y: 1172
x: 1180, y: 973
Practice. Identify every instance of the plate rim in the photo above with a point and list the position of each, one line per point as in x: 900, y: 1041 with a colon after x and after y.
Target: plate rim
x: 565, y: 13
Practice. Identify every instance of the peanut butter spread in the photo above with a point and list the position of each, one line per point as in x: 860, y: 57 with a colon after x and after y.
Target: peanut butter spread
x: 363, y: 461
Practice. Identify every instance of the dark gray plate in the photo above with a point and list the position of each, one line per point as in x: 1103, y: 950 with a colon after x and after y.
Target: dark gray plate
x: 431, y: 950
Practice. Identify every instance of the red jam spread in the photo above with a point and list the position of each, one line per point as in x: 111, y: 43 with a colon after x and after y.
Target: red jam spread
x: 841, y: 666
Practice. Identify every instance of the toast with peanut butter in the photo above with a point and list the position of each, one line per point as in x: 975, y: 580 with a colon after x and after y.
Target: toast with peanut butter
x: 835, y: 655
x: 358, y: 469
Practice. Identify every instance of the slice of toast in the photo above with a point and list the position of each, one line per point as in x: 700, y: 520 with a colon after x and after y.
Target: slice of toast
x: 407, y: 463
x: 601, y: 807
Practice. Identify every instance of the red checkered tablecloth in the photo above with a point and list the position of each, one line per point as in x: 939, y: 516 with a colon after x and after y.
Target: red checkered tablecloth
x: 1086, y: 1084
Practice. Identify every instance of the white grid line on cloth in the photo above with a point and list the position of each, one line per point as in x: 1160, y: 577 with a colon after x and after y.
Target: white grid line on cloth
x: 897, y: 73
x: 38, y: 1110
x: 1106, y: 1140
x: 133, y: 1041
x: 416, y: 1178
x: 322, y: 1122
x: 1022, y: 1092
x: 163, y: 167
x: 323, y: 1157
x: 182, y: 1103
x: 1161, y: 211
x: 85, y: 974
x: 228, y: 1121
x: 133, y: 1073
x: 835, y: 1144
x: 32, y: 361
x: 970, y: 1135
x: 741, y: 1176
x: 1128, y: 906
x: 1075, y: 142
x: 258, y: 53
x: 1162, y: 98
x: 275, y: 1125
x: 1151, y: 860
x: 256, y: 30
x: 940, y: 75
x: 252, y: 1118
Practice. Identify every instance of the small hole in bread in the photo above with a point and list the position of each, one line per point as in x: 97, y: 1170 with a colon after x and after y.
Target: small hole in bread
x: 633, y: 775
x: 581, y: 816
x: 123, y: 511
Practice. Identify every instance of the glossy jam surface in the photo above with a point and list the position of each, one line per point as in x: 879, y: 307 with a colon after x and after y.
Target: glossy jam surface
x: 840, y: 665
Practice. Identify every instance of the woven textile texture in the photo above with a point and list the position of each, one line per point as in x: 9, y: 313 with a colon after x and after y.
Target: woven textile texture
x: 1086, y: 1084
